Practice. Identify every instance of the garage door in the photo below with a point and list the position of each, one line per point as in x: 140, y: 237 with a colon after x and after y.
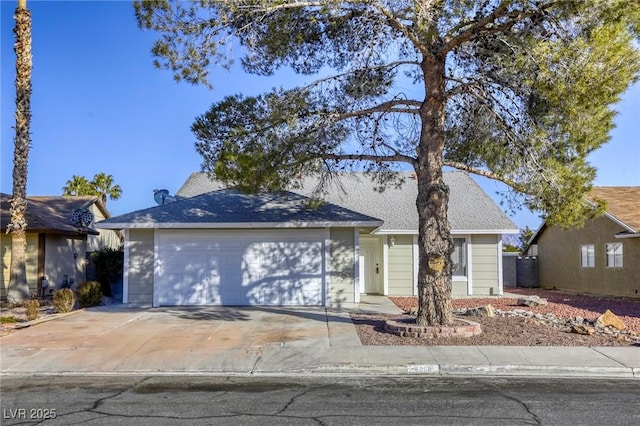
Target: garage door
x: 239, y: 267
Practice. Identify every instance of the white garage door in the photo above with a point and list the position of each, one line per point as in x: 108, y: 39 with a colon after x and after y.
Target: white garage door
x: 239, y: 267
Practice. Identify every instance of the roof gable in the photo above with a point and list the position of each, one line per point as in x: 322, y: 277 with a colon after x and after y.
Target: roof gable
x: 232, y: 209
x: 623, y: 203
x: 470, y: 208
x: 623, y: 207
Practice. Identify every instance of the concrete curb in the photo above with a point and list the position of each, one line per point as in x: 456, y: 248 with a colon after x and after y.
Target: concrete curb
x: 538, y: 371
x: 435, y: 370
x: 415, y: 370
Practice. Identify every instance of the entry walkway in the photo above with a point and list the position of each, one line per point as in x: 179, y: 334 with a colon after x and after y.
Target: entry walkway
x: 374, y: 303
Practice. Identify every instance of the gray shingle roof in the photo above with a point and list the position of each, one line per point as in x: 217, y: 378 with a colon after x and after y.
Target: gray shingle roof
x: 229, y: 208
x: 470, y: 208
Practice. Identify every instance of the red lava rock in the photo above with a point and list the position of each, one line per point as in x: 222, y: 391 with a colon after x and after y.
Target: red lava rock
x: 560, y: 304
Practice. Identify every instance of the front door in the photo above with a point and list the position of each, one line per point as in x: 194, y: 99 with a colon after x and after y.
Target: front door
x: 369, y: 267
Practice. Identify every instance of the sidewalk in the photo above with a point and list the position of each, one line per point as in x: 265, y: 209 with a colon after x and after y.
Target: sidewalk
x: 273, y: 341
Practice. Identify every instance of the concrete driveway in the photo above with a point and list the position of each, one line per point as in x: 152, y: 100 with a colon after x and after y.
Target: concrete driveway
x: 118, y: 339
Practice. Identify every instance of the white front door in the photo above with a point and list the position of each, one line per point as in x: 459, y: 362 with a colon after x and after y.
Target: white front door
x: 369, y: 267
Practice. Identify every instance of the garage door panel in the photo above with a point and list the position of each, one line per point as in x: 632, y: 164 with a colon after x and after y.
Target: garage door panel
x: 243, y: 268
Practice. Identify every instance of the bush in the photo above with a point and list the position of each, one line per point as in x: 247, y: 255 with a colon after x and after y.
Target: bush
x: 89, y: 294
x: 33, y: 309
x: 109, y: 264
x: 63, y: 300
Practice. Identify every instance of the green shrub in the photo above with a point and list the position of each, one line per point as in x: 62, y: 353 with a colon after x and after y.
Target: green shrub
x: 33, y: 309
x: 63, y: 300
x: 8, y: 320
x: 89, y: 294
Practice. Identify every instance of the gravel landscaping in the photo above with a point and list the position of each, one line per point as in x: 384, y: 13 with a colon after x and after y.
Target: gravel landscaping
x: 528, y: 326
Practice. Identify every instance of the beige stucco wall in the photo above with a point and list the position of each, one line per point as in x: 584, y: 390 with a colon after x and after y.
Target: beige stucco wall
x: 140, y: 271
x: 64, y: 256
x: 32, y: 262
x: 401, y: 267
x: 559, y: 260
x: 342, y: 266
x: 484, y: 264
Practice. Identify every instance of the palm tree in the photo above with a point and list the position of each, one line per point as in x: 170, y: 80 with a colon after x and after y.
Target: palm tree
x: 103, y: 187
x: 77, y: 186
x: 18, y: 286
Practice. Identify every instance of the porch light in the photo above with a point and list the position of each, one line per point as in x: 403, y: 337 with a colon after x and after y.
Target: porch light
x: 392, y: 241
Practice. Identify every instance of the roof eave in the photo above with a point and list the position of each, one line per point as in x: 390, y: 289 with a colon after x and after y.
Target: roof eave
x: 621, y: 223
x: 240, y: 225
x: 453, y: 231
x: 627, y: 235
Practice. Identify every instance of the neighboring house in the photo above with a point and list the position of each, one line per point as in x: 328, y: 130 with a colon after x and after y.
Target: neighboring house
x: 217, y: 246
x: 57, y: 240
x: 603, y: 257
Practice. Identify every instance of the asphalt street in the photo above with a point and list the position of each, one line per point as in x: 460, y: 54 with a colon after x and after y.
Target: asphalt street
x: 329, y: 400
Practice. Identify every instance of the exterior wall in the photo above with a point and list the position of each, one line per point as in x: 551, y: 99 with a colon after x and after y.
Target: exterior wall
x: 483, y: 267
x: 342, y: 267
x: 107, y: 239
x: 32, y: 262
x: 140, y: 267
x: 459, y: 288
x: 459, y: 283
x: 484, y: 264
x: 559, y: 260
x: 400, y: 266
x: 64, y: 256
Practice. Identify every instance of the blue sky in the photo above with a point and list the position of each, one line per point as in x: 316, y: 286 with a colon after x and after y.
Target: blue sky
x: 98, y: 105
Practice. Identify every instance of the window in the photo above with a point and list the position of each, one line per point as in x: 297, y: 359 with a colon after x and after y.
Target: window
x: 587, y: 255
x: 459, y: 257
x: 614, y: 255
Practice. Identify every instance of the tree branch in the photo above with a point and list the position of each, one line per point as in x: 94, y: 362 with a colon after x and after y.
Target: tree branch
x: 397, y: 25
x: 383, y: 107
x: 480, y: 172
x: 335, y: 77
x: 487, y: 24
x: 398, y: 158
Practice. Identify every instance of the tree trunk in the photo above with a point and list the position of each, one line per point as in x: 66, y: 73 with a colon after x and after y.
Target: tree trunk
x: 435, y: 244
x: 18, y: 286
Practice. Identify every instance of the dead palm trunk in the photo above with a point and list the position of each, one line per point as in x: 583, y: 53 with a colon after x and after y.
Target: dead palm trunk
x: 18, y: 286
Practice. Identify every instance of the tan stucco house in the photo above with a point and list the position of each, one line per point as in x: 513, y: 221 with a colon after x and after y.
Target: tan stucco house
x: 217, y: 246
x: 59, y: 237
x: 603, y: 257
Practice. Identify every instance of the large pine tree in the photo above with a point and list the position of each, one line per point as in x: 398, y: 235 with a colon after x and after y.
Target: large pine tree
x: 517, y: 90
